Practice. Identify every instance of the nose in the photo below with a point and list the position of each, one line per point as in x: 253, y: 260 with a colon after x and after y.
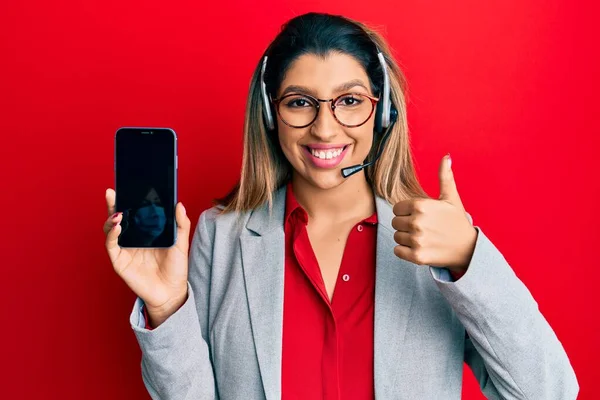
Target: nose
x: 325, y: 126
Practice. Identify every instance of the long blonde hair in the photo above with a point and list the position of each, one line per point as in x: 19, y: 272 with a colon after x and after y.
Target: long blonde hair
x: 265, y: 168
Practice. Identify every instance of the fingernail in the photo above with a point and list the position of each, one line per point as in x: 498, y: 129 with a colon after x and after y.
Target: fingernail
x: 449, y: 161
x: 115, y: 215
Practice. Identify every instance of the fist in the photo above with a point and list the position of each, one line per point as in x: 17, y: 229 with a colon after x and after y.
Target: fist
x: 435, y: 232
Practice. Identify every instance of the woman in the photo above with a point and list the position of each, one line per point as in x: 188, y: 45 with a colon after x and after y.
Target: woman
x: 315, y: 280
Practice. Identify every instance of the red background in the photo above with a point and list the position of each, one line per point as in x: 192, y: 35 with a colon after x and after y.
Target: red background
x: 509, y: 87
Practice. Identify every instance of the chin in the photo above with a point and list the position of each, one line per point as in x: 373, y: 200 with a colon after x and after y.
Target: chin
x: 325, y: 180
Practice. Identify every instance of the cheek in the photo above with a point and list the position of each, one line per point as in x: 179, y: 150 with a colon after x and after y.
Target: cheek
x: 363, y: 139
x: 288, y: 140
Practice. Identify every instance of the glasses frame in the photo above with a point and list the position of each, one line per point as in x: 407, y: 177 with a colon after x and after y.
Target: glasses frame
x: 332, y: 101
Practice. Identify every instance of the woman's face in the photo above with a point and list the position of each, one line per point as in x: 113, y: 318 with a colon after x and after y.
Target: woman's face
x: 307, y: 148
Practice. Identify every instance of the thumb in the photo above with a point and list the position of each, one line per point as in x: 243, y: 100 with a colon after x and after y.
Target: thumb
x: 448, y: 190
x: 183, y: 229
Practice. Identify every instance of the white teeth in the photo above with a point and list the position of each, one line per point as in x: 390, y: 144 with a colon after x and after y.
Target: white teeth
x: 328, y: 154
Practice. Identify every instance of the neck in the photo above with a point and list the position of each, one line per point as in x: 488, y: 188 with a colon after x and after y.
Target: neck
x: 351, y: 200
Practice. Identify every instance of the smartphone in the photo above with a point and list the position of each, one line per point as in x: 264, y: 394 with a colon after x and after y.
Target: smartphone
x: 146, y: 186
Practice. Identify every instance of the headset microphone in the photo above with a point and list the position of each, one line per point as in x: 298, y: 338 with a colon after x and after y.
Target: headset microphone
x: 348, y: 171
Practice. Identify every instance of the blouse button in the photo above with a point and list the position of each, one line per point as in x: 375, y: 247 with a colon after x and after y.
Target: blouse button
x: 346, y: 277
x: 360, y: 228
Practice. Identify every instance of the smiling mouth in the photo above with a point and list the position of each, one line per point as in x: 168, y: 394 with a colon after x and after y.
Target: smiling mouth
x: 326, y: 154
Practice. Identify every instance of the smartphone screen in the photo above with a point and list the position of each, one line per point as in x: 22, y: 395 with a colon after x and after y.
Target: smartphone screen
x: 146, y: 186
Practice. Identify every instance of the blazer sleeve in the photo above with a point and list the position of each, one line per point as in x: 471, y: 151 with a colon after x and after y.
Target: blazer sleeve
x: 510, y: 347
x: 176, y: 361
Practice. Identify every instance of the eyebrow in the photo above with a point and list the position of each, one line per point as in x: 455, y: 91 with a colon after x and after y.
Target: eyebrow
x: 340, y: 88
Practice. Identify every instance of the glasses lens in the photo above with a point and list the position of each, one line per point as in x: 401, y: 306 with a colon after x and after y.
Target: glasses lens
x: 297, y: 110
x: 353, y: 109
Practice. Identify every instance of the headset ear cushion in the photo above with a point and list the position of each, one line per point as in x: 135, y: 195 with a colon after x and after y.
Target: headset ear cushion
x: 379, y: 117
x: 269, y: 118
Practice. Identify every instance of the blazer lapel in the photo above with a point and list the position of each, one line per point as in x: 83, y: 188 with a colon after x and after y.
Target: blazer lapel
x: 394, y: 286
x: 263, y: 261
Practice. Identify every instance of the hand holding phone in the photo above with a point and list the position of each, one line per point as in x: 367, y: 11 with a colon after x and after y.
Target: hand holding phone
x: 147, y: 231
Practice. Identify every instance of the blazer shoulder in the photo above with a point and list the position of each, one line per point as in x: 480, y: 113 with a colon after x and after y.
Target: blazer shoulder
x: 214, y: 219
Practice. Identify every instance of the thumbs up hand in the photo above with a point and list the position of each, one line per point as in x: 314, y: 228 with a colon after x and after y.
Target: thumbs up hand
x: 435, y: 232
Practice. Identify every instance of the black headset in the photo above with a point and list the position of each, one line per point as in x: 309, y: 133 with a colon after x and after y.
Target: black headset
x: 385, y: 113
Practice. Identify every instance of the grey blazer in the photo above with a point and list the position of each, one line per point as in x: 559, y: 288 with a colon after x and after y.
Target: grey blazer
x: 225, y: 341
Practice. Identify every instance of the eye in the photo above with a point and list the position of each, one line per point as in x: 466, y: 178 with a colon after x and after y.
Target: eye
x: 351, y: 100
x: 298, y: 102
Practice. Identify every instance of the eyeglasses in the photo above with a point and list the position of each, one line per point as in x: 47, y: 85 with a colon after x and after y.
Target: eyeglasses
x: 349, y: 109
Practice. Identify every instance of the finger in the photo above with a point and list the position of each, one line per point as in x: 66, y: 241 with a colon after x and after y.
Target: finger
x: 183, y: 228
x: 404, y: 224
x: 112, y: 245
x: 404, y: 207
x: 409, y: 254
x: 111, y: 221
x: 404, y: 252
x: 448, y: 190
x: 404, y: 239
x: 110, y: 201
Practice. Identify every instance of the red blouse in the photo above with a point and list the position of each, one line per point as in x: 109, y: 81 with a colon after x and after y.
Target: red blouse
x: 328, y: 346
